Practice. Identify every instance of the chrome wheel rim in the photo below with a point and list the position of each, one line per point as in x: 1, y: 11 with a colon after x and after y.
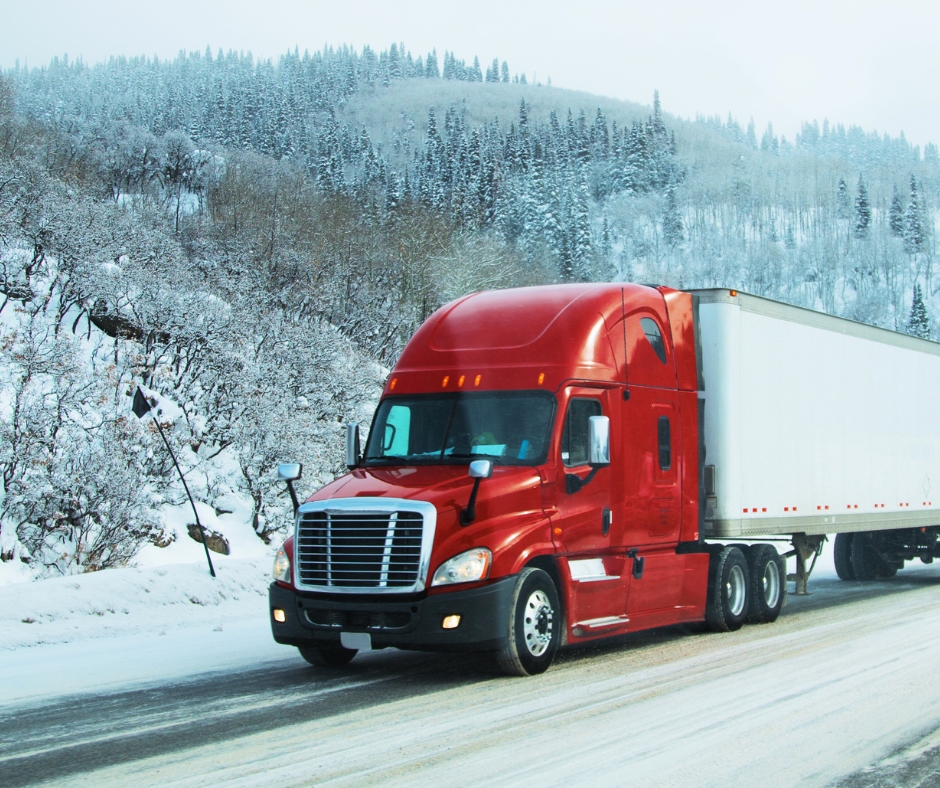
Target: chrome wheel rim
x: 771, y: 583
x: 735, y: 592
x: 537, y: 623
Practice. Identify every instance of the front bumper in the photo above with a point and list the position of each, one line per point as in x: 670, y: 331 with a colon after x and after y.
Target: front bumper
x: 409, y: 624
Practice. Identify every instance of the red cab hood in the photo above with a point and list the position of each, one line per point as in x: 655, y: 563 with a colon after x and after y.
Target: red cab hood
x: 508, y: 508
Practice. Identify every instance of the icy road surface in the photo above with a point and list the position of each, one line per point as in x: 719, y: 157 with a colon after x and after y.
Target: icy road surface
x: 842, y: 690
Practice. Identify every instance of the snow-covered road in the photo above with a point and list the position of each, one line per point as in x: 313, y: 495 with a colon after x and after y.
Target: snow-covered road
x: 845, y: 679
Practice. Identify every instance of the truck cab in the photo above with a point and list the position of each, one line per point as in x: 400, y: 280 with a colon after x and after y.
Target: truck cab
x: 532, y: 477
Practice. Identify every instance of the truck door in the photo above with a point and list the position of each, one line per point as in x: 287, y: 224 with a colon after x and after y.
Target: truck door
x: 584, y: 517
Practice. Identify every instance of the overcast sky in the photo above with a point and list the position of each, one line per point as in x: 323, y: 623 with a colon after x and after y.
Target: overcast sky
x: 873, y: 64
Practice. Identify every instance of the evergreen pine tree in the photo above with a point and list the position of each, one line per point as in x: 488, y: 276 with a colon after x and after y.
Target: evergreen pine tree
x: 896, y: 214
x: 504, y: 73
x: 862, y: 210
x: 918, y: 324
x: 842, y: 199
x: 430, y: 66
x: 672, y: 221
x: 751, y: 136
x: 913, y: 226
x: 492, y: 73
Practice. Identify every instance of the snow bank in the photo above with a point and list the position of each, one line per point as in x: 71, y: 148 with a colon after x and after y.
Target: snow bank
x: 130, y: 601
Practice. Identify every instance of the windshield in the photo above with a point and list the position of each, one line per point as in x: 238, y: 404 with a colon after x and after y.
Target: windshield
x: 510, y: 427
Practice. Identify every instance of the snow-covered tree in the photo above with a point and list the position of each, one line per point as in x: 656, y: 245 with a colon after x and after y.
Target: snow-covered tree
x: 918, y: 324
x: 862, y: 210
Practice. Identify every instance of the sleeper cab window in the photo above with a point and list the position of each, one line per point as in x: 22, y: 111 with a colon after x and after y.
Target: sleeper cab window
x: 654, y: 336
x: 576, y: 434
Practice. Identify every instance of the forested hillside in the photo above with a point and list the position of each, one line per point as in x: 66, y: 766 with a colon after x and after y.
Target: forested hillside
x: 254, y: 241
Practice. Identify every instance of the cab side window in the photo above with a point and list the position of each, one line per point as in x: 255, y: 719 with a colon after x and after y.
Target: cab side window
x: 575, y: 436
x: 654, y: 336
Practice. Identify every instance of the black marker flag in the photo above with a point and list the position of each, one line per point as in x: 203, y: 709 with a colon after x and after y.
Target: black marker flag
x: 141, y: 408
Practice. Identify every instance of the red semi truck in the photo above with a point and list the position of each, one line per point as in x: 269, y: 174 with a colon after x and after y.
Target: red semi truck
x: 536, y: 475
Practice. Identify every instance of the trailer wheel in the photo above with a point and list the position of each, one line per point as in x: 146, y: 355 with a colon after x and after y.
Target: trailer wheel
x: 726, y: 605
x: 768, y: 584
x: 842, y: 556
x: 866, y: 563
x: 327, y: 655
x: 534, y: 625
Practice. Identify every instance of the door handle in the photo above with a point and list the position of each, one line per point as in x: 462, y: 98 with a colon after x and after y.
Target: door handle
x: 606, y: 519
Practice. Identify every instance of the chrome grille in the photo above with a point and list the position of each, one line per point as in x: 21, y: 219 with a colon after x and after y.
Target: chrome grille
x: 340, y: 548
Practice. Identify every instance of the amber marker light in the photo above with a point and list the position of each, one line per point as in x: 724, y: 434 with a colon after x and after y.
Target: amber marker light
x: 477, y: 379
x: 451, y: 622
x: 733, y: 293
x: 460, y: 381
x: 279, y: 615
x: 445, y: 381
x: 391, y: 386
x: 541, y: 378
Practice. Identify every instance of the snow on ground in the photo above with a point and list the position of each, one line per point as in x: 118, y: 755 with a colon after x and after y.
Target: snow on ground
x: 159, y: 621
x: 121, y: 627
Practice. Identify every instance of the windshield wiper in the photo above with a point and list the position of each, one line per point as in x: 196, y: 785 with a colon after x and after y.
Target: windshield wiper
x: 475, y: 455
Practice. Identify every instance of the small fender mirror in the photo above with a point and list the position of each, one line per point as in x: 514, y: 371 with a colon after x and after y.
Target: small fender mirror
x: 353, y: 454
x: 599, y: 446
x: 289, y: 471
x: 480, y: 469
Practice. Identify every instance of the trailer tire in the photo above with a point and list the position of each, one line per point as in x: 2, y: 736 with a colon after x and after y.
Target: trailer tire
x: 866, y: 563
x: 534, y: 626
x: 768, y: 584
x: 726, y: 606
x: 327, y: 656
x: 842, y: 557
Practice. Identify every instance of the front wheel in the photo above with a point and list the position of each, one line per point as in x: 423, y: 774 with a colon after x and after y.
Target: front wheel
x: 327, y: 655
x: 726, y: 607
x: 534, y: 625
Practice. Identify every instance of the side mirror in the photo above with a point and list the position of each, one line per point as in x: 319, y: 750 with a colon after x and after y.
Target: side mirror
x: 480, y: 469
x: 599, y: 437
x: 289, y: 471
x: 598, y: 453
x: 353, y: 454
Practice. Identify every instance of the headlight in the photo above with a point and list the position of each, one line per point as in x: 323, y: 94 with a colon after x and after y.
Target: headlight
x: 282, y: 566
x: 464, y: 568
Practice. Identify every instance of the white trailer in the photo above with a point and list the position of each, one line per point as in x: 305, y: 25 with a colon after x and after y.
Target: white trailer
x: 817, y: 425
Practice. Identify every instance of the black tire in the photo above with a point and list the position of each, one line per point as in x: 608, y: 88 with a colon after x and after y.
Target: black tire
x: 866, y: 563
x: 767, y: 590
x: 533, y: 630
x: 327, y: 655
x: 726, y: 607
x: 888, y: 570
x: 842, y: 557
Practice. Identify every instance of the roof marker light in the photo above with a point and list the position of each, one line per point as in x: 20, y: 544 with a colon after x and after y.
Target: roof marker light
x: 460, y: 381
x: 541, y: 378
x: 445, y: 381
x: 392, y: 384
x: 477, y: 379
x: 733, y: 293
